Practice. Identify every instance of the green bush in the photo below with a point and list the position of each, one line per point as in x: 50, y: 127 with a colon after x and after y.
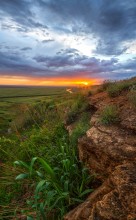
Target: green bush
x: 109, y: 115
x: 132, y: 97
x: 106, y: 84
x: 116, y: 88
x: 90, y: 93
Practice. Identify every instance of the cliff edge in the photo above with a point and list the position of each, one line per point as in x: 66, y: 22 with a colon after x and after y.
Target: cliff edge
x: 109, y: 150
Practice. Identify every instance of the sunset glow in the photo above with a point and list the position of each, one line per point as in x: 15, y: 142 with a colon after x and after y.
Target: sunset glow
x: 85, y: 83
x: 47, y: 81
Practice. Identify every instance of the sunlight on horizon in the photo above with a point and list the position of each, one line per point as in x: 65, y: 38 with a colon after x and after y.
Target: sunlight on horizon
x: 22, y: 81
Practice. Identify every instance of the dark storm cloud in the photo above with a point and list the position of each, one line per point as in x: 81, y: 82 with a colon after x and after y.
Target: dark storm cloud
x: 14, y: 63
x: 72, y: 58
x: 69, y: 51
x: 75, y: 65
x: 21, y: 12
x: 68, y: 57
x: 17, y: 10
x: 112, y: 22
x: 116, y: 24
x: 26, y: 48
x: 56, y: 61
x: 89, y: 66
x: 47, y: 41
x: 109, y: 47
x: 15, y: 7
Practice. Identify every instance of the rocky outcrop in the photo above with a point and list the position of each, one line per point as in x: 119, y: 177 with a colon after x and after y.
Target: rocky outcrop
x: 110, y: 152
x: 115, y: 199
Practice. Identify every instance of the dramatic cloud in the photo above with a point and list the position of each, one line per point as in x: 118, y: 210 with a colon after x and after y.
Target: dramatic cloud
x: 26, y: 48
x: 68, y: 38
x: 47, y: 41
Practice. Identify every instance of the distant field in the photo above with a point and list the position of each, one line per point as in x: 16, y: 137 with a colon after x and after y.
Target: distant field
x: 7, y: 92
x: 11, y: 98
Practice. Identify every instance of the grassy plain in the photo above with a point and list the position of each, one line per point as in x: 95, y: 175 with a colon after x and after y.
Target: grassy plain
x: 32, y: 125
x: 13, y: 97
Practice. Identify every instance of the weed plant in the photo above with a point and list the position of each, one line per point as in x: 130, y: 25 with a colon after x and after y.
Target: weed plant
x: 61, y: 181
x: 109, y: 115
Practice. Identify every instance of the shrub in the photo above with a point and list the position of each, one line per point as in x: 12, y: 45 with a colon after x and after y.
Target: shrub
x: 132, y: 97
x: 106, y: 84
x: 109, y: 115
x: 103, y: 87
x: 90, y: 93
x: 71, y: 116
x: 116, y: 88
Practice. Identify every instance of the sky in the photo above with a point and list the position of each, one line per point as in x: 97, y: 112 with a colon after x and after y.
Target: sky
x: 66, y: 42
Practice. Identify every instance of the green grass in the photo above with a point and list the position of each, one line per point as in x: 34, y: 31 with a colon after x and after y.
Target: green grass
x: 30, y: 91
x: 109, y: 115
x: 80, y: 105
x: 56, y: 182
x: 132, y: 97
x: 80, y: 128
x: 12, y: 100
x: 115, y: 89
x: 59, y: 186
x: 104, y: 86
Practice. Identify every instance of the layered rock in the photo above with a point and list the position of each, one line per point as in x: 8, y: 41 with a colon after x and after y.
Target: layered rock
x: 110, y: 152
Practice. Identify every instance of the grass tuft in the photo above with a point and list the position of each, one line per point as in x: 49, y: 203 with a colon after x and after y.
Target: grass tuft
x: 116, y: 88
x: 80, y: 105
x: 109, y: 115
x: 132, y: 97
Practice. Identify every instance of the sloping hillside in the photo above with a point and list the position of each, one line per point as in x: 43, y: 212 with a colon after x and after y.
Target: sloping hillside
x: 109, y: 150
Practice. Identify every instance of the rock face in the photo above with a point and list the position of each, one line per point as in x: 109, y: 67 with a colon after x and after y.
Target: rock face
x: 110, y: 152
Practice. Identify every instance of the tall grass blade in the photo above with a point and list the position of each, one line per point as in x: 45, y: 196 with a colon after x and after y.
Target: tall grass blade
x: 22, y: 176
x: 47, y: 168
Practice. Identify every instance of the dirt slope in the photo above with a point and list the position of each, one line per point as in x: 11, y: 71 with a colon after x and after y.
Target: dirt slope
x: 110, y: 151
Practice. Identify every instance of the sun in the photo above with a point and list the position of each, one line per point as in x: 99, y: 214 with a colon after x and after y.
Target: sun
x: 85, y: 83
x: 82, y: 83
